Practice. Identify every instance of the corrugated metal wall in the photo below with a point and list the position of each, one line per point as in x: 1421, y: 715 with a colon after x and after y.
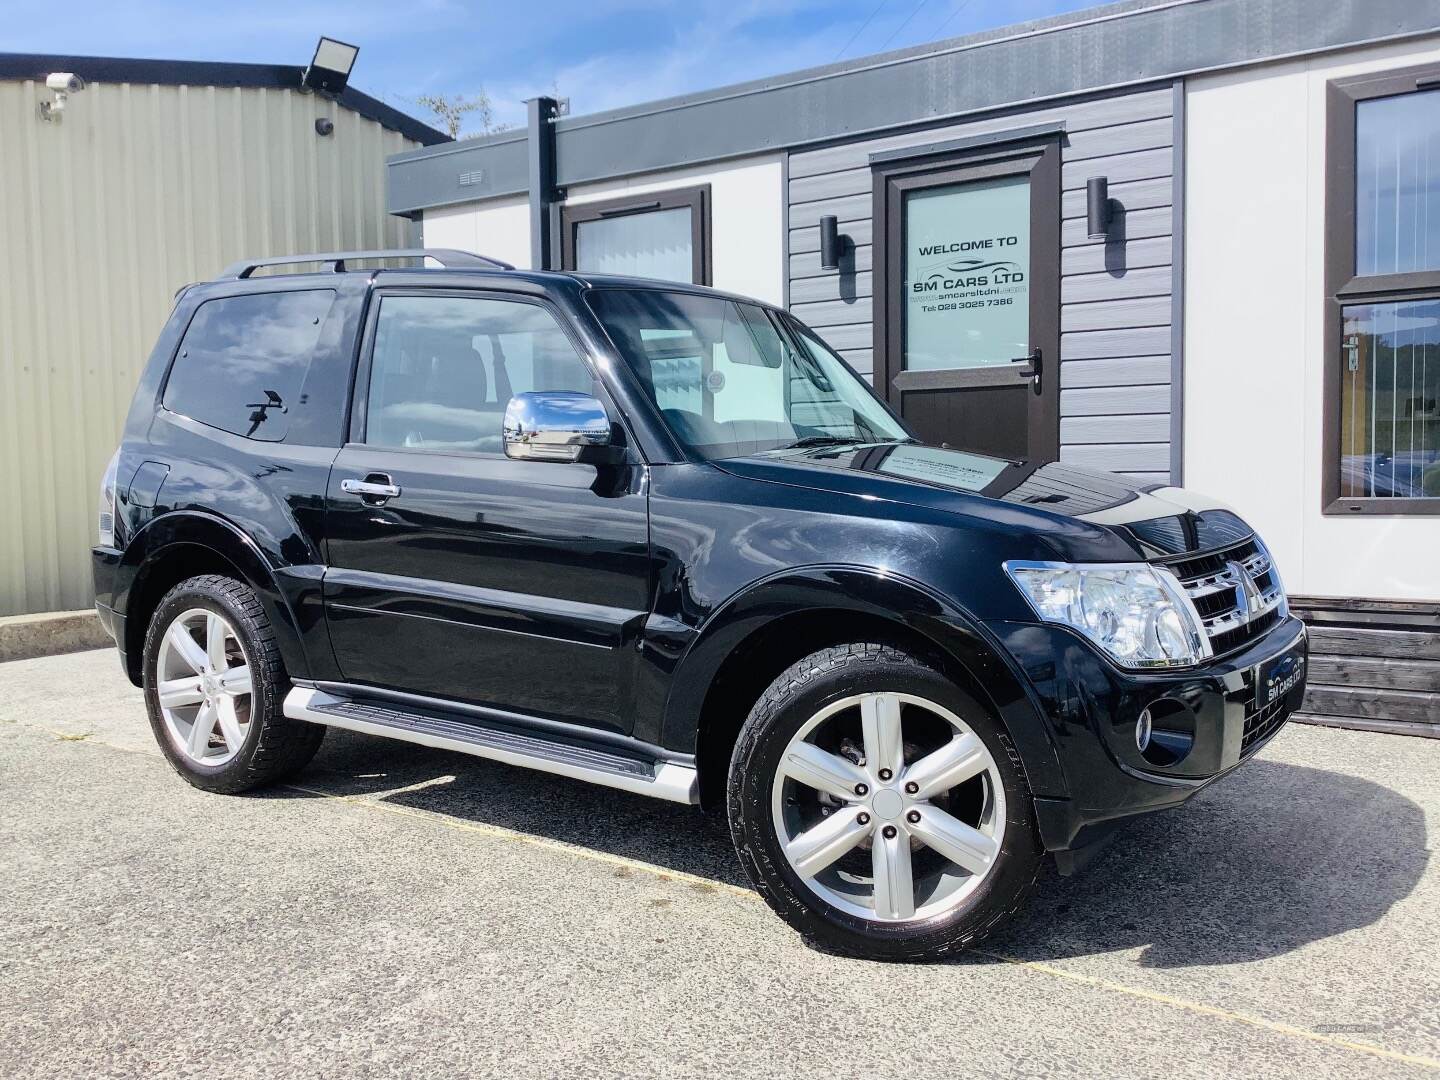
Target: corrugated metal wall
x: 1116, y: 297
x: 138, y: 190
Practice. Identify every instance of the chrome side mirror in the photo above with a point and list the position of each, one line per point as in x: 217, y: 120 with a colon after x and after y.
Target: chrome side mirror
x: 557, y: 425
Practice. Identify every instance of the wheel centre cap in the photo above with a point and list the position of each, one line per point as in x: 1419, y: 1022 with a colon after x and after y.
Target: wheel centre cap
x: 887, y: 804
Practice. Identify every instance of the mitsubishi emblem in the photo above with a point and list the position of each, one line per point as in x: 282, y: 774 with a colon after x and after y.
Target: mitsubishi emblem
x: 1247, y: 600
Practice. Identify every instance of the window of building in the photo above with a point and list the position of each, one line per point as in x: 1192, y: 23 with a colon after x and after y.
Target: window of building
x: 1382, y: 383
x: 663, y: 235
x: 243, y: 360
x: 443, y: 368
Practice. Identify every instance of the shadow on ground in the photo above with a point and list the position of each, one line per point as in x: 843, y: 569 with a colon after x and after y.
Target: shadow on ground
x: 1270, y: 859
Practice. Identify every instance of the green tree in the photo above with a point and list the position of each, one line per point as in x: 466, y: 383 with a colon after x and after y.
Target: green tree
x: 451, y: 109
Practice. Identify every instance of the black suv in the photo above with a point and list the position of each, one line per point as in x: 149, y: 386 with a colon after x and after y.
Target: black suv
x: 663, y: 539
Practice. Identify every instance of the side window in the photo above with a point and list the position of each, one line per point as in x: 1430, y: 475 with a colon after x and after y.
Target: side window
x: 243, y: 360
x: 444, y: 368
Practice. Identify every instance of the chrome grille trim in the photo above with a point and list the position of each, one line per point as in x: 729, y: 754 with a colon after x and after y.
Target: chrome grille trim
x: 1246, y: 572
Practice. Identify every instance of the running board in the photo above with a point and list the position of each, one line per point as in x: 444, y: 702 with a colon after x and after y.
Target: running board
x: 658, y: 779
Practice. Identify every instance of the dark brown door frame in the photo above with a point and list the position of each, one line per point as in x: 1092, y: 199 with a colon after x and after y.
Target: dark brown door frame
x: 696, y: 198
x: 1039, y: 159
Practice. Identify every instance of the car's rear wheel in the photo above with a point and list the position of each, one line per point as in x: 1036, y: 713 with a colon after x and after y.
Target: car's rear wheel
x: 878, y: 807
x: 215, y: 687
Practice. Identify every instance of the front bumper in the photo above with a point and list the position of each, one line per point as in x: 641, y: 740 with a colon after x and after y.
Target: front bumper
x: 1207, y: 721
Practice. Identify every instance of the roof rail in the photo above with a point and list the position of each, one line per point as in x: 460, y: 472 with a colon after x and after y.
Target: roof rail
x: 335, y: 260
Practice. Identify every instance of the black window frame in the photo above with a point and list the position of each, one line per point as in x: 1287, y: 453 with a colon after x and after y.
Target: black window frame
x: 1343, y: 287
x: 697, y: 198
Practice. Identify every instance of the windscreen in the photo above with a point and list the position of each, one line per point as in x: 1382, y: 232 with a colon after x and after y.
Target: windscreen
x: 729, y: 382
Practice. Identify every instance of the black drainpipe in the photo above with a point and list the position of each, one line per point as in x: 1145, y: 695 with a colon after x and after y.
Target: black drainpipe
x: 544, y: 210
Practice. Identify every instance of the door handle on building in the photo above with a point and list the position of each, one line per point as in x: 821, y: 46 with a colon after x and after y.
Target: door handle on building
x: 374, y: 489
x: 1035, y: 372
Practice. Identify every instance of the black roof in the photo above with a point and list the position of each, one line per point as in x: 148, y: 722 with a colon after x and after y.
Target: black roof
x: 115, y: 69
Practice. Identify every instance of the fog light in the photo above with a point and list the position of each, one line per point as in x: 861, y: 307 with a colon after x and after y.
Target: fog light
x: 1143, y: 728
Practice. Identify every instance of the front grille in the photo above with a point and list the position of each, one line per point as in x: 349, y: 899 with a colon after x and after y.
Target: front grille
x: 1235, y: 590
x: 1262, y: 723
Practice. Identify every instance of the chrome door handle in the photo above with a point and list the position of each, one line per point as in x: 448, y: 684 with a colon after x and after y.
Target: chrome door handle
x: 374, y: 486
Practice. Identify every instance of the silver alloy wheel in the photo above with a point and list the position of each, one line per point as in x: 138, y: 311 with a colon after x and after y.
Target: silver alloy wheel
x: 203, y: 685
x: 828, y: 808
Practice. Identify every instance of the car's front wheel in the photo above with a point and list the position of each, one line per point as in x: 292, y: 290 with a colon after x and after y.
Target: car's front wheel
x: 878, y: 808
x: 215, y: 687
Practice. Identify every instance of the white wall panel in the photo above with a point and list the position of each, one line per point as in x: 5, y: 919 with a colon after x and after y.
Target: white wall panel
x: 1254, y: 358
x: 499, y: 228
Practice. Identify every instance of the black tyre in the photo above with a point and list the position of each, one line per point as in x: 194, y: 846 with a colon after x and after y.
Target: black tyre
x: 215, y: 688
x: 879, y: 809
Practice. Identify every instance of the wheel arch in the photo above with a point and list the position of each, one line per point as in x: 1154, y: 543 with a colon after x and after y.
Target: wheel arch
x: 746, y: 644
x: 181, y: 545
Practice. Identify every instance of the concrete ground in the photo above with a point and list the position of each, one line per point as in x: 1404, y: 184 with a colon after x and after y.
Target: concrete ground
x: 399, y: 911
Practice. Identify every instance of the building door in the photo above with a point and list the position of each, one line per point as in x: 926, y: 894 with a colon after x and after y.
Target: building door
x: 967, y: 284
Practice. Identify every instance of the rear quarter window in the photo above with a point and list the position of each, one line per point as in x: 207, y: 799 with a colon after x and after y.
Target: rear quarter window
x: 243, y: 361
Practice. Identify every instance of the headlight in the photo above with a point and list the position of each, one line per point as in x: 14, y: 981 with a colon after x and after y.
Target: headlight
x: 1137, y: 613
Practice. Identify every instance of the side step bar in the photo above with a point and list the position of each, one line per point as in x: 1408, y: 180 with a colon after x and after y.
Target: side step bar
x: 658, y: 779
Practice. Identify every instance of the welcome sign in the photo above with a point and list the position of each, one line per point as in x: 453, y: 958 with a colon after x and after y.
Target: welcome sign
x: 967, y: 275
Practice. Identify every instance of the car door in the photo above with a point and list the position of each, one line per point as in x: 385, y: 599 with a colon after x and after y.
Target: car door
x: 470, y: 576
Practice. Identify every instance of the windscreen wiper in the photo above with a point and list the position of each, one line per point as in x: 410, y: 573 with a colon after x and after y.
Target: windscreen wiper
x: 824, y: 440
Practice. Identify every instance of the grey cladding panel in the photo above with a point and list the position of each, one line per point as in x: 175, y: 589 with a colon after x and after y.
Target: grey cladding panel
x: 1149, y: 341
x: 811, y: 290
x: 1115, y: 401
x: 1115, y: 258
x: 1119, y: 457
x: 844, y: 339
x: 806, y: 264
x: 1116, y: 294
x: 1117, y: 371
x: 1088, y: 288
x: 1101, y: 112
x: 1115, y: 314
x: 859, y: 359
x: 808, y: 239
x: 1133, y: 224
x: 833, y: 312
x: 1135, y: 195
x: 830, y: 185
x: 1120, y: 169
x: 847, y: 208
x: 1119, y: 139
x: 1151, y: 428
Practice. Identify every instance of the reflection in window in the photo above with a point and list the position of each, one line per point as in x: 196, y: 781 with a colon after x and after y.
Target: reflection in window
x: 243, y: 360
x: 445, y: 367
x: 1397, y: 184
x: 1390, y: 400
x: 728, y: 383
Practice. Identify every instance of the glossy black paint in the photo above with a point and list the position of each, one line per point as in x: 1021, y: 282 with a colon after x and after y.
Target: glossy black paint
x: 612, y: 596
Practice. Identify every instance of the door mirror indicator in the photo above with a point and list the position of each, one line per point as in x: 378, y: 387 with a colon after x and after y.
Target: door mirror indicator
x: 558, y: 425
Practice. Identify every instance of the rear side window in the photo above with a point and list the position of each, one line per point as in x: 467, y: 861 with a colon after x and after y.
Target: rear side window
x: 445, y: 367
x: 243, y: 361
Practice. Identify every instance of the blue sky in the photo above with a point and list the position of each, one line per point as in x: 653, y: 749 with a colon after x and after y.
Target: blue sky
x: 601, y: 54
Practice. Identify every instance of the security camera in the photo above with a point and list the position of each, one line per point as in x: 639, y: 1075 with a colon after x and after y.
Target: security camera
x: 64, y: 83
